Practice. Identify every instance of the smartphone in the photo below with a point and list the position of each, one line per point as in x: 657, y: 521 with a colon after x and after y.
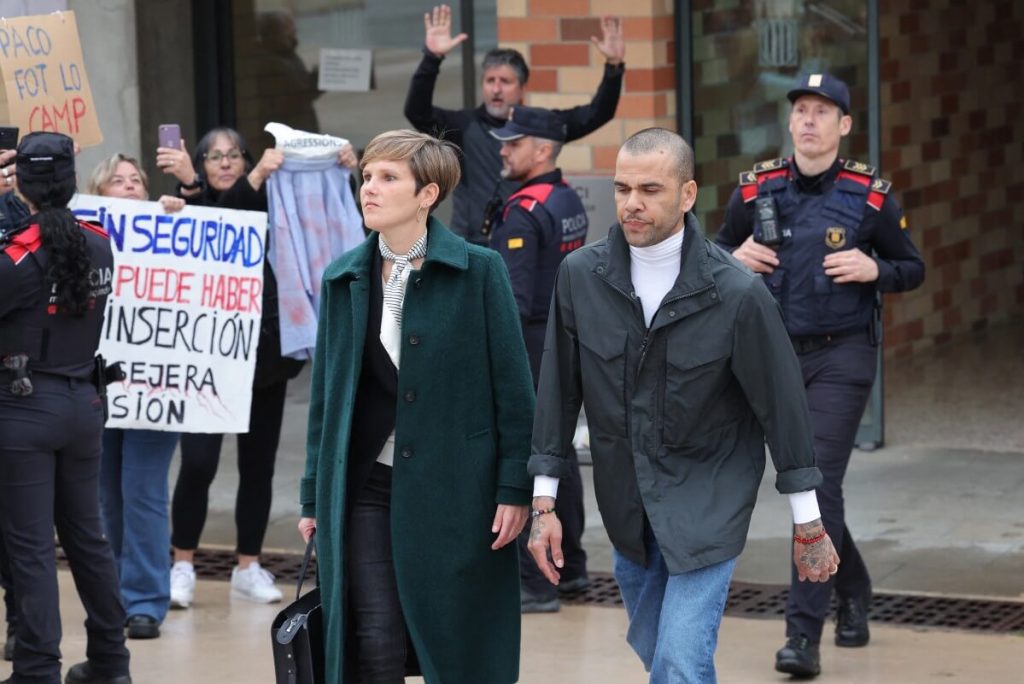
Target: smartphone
x: 170, y: 136
x: 8, y: 137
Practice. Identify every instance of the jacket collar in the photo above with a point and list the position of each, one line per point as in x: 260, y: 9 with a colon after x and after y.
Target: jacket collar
x: 443, y: 247
x: 694, y: 271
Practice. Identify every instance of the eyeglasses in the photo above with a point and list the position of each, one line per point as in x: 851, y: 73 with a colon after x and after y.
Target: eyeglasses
x: 215, y: 157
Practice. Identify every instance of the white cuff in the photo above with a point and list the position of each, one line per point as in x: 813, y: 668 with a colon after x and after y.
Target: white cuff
x: 544, y: 485
x: 804, y: 505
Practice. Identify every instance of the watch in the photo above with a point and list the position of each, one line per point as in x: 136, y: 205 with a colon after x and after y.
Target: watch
x: 194, y: 185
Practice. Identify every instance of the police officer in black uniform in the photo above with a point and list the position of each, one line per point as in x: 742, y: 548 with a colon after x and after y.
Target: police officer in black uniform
x: 827, y: 237
x: 540, y: 223
x: 55, y: 273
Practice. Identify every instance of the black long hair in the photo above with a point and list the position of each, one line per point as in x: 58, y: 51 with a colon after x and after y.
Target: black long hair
x: 63, y: 240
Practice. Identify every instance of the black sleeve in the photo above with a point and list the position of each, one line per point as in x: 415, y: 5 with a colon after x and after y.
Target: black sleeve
x: 419, y: 104
x: 12, y: 212
x: 900, y: 266
x: 579, y: 121
x: 738, y: 224
x: 21, y: 284
x: 518, y: 244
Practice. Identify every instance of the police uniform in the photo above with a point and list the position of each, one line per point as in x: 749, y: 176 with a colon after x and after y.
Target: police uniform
x: 831, y: 325
x: 539, y: 224
x: 51, y: 422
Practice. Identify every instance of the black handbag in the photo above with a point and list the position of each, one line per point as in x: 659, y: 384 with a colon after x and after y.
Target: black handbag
x: 297, y: 634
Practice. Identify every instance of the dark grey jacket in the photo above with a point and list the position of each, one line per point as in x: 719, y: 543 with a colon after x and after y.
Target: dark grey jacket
x: 678, y: 413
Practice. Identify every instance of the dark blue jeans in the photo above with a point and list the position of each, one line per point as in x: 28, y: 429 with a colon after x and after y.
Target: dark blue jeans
x: 133, y: 497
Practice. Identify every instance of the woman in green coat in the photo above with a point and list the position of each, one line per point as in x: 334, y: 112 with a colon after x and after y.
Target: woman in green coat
x: 419, y: 435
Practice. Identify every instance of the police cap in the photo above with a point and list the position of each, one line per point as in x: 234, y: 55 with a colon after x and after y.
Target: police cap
x: 44, y: 156
x: 823, y: 85
x: 531, y: 121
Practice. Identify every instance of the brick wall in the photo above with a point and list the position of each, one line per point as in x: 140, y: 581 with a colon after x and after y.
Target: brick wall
x: 565, y: 69
x: 952, y: 98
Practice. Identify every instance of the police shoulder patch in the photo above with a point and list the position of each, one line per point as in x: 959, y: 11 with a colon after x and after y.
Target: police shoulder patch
x: 881, y: 185
x: 748, y: 178
x: 859, y: 167
x: 770, y: 165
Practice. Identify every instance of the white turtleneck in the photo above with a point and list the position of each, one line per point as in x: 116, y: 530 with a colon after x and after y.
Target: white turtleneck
x: 654, y: 270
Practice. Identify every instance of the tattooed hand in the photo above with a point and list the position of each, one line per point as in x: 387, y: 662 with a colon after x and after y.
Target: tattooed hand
x: 545, y: 535
x: 816, y: 561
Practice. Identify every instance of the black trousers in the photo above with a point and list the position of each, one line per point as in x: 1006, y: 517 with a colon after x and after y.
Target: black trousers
x: 838, y: 380
x: 49, y: 476
x: 378, y: 644
x: 257, y: 451
x: 568, y: 504
x: 7, y: 584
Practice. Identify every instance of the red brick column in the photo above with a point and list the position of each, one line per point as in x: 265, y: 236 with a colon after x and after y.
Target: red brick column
x: 952, y: 98
x: 565, y: 68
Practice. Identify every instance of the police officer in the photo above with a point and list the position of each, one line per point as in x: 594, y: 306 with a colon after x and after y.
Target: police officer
x: 55, y: 274
x: 827, y: 236
x: 12, y: 212
x: 540, y: 223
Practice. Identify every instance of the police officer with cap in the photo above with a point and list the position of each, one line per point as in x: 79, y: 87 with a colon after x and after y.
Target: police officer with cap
x: 827, y: 237
x: 540, y: 223
x: 55, y: 273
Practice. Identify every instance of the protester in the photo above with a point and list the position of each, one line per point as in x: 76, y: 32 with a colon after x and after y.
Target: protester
x: 133, y: 470
x: 55, y: 273
x: 505, y: 75
x: 828, y: 239
x: 542, y: 222
x: 682, y: 362
x: 221, y: 173
x: 419, y: 429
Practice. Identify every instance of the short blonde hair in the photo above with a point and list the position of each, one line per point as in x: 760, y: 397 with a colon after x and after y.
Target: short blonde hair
x: 104, y: 171
x: 430, y: 159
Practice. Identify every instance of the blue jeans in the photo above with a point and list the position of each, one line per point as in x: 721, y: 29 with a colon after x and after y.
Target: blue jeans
x: 673, y: 619
x: 133, y: 499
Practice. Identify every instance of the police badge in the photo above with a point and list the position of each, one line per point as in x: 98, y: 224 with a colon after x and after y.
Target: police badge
x: 835, y: 237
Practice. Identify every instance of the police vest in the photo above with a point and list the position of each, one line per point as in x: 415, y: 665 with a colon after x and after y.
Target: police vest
x: 563, y: 220
x: 812, y: 226
x: 55, y: 341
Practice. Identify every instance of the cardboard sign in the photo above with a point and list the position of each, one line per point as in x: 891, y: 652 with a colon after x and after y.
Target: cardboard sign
x: 345, y: 70
x: 45, y: 86
x: 184, y: 313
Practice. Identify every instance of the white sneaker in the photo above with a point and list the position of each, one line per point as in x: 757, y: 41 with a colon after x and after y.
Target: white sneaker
x: 254, y: 584
x: 183, y: 584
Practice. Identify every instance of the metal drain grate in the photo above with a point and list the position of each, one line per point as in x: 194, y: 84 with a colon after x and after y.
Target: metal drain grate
x: 745, y: 599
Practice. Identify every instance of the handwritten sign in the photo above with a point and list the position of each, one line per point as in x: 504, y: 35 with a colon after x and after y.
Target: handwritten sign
x: 45, y: 86
x: 183, y: 317
x: 345, y: 70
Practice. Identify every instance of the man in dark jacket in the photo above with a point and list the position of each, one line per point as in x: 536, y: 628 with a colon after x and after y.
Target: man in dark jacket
x: 682, y: 361
x: 504, y: 79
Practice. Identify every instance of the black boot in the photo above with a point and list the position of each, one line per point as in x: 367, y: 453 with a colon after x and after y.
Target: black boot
x: 852, y: 621
x: 82, y: 673
x: 799, y: 657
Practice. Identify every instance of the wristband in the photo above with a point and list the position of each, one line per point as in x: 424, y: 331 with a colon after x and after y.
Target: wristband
x: 540, y: 512
x: 194, y: 185
x: 809, y: 540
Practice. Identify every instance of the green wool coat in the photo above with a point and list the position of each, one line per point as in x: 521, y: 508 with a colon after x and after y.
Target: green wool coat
x: 461, y: 448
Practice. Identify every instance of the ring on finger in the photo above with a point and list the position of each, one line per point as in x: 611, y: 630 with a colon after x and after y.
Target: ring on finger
x: 5, y: 172
x: 10, y: 181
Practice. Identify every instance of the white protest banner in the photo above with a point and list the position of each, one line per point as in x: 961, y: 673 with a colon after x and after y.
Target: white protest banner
x: 45, y: 86
x: 183, y: 317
